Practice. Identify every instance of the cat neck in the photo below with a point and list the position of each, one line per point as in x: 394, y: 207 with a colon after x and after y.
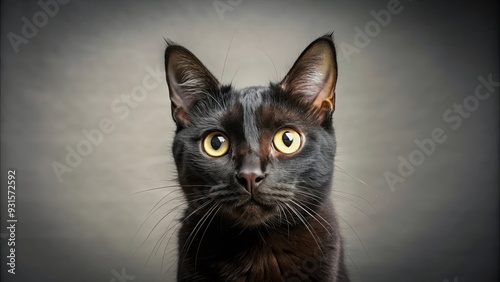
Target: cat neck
x: 273, y: 250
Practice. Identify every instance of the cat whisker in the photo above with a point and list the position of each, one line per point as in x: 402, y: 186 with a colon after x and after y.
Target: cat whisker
x: 341, y: 198
x: 260, y: 234
x: 160, y: 240
x: 358, y: 196
x: 364, y: 248
x: 270, y: 59
x: 194, y: 200
x: 147, y: 190
x: 166, y: 195
x: 291, y: 214
x: 332, y: 228
x: 300, y: 206
x: 313, y: 234
x: 347, y: 201
x: 225, y: 58
x: 179, y: 224
x: 286, y: 219
x: 174, y: 198
x: 352, y: 176
x: 235, y: 73
x: 309, y: 194
x: 146, y: 219
x: 168, y: 242
x: 311, y: 199
x: 214, y: 99
x: 280, y: 219
x: 154, y: 179
x: 318, y: 215
x: 149, y: 234
x: 362, y: 244
x: 168, y: 227
x: 197, y: 210
x: 352, y: 261
x: 203, y: 235
x: 195, y: 231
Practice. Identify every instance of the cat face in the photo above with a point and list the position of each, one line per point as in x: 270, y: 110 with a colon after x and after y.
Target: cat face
x: 258, y: 154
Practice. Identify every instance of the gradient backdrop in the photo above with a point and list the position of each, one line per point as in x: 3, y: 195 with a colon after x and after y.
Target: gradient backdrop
x: 71, y: 69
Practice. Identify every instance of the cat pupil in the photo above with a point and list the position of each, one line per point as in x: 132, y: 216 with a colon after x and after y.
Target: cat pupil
x: 287, y: 138
x: 217, y: 141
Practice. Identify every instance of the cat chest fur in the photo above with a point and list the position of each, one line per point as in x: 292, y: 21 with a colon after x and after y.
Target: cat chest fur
x: 278, y: 254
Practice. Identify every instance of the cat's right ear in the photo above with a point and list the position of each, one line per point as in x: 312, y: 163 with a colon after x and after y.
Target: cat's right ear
x: 313, y: 76
x: 187, y: 80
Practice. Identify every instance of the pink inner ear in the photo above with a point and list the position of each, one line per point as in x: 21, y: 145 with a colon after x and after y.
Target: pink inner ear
x: 326, y: 92
x: 186, y: 78
x: 313, y: 76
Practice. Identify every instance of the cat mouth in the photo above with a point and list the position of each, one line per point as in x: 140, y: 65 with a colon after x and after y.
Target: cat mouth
x: 250, y: 209
x: 254, y: 202
x: 258, y: 204
x: 253, y: 212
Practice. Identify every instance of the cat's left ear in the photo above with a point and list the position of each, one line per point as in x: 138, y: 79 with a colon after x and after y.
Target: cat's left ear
x: 313, y: 76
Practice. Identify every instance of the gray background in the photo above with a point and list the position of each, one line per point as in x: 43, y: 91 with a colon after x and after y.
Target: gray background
x: 440, y: 223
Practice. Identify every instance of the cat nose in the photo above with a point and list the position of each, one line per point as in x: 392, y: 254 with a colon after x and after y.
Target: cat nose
x: 250, y: 179
x: 250, y: 174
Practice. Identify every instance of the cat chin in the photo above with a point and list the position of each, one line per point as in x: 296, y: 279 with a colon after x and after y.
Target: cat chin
x: 252, y: 214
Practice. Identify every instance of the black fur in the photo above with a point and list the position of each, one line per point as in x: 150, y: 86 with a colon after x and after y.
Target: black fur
x: 279, y: 225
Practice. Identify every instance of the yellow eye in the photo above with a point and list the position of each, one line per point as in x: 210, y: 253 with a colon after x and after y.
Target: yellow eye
x: 216, y: 144
x: 287, y: 141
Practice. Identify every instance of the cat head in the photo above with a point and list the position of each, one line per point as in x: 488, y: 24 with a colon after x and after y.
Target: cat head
x: 255, y: 154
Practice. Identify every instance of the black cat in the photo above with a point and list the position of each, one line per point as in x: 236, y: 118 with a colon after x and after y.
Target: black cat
x: 256, y: 167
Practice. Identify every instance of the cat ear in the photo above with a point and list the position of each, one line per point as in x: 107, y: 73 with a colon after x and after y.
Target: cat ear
x: 187, y: 80
x: 313, y: 76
